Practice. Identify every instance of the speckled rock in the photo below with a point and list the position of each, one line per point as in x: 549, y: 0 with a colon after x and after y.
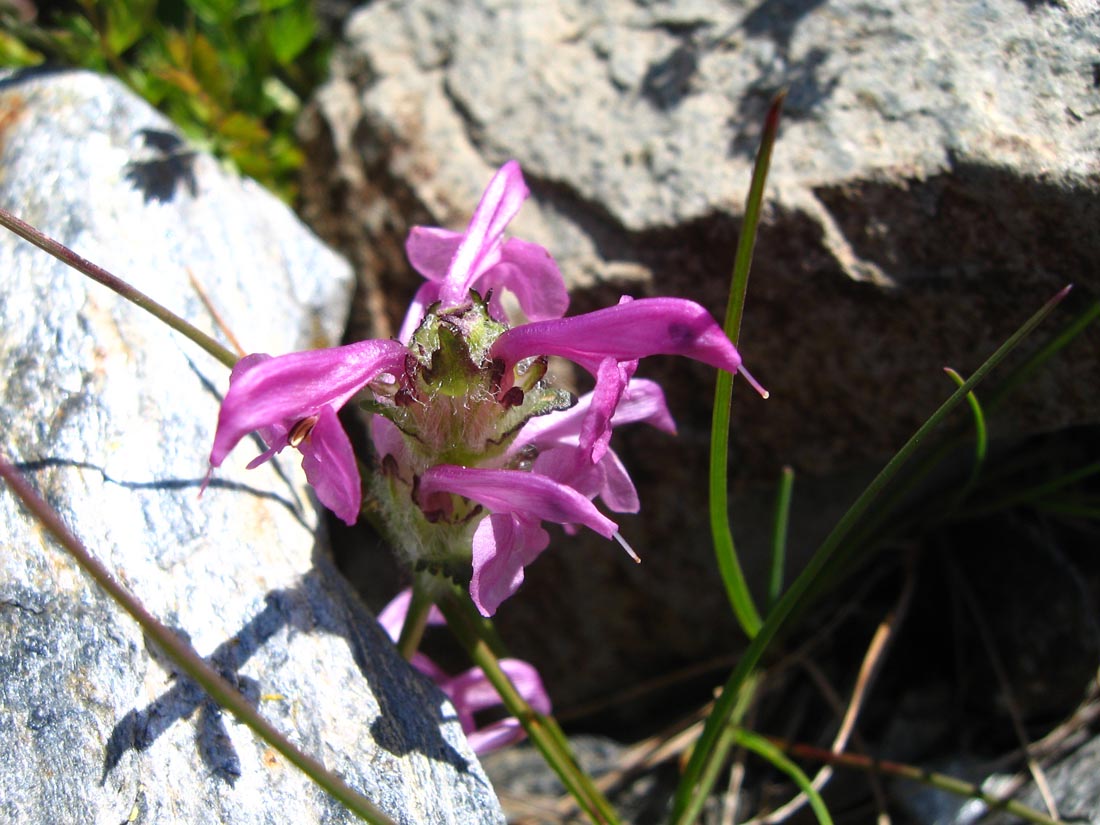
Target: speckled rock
x: 111, y: 416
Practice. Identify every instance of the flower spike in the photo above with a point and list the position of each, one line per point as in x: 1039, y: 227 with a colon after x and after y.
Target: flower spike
x: 476, y: 448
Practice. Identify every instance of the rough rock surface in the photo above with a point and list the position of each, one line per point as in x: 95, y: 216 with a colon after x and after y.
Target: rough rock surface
x: 935, y: 180
x: 111, y: 416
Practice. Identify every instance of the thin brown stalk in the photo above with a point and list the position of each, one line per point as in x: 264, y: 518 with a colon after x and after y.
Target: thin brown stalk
x: 1011, y: 705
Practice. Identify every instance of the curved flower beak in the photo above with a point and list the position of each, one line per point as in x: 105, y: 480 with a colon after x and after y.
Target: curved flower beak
x: 626, y: 332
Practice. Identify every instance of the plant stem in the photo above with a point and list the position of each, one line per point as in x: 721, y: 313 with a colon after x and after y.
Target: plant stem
x: 544, y: 732
x: 779, y: 535
x: 416, y: 620
x: 184, y: 655
x: 113, y: 282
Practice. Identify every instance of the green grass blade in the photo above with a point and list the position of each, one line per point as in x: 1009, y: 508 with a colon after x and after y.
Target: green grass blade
x: 765, y: 749
x: 981, y: 436
x: 693, y: 790
x: 779, y: 535
x: 1038, y: 492
x: 1032, y: 364
x: 729, y: 567
x: 1070, y: 509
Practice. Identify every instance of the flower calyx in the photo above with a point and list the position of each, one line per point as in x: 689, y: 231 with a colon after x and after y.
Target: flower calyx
x: 451, y: 401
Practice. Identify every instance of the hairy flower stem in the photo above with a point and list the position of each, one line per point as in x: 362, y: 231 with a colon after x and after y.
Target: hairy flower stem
x: 412, y: 631
x: 28, y: 233
x: 184, y: 655
x: 474, y: 633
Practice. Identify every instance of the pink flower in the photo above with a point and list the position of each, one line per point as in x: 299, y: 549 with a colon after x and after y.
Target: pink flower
x: 628, y: 331
x: 454, y: 263
x: 573, y: 445
x: 476, y: 449
x: 292, y: 401
x: 470, y: 691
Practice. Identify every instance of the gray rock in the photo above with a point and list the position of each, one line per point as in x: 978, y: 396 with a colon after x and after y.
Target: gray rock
x: 111, y: 416
x: 934, y: 182
x: 1073, y: 781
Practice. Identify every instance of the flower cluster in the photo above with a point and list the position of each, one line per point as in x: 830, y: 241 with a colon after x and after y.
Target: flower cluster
x: 476, y: 449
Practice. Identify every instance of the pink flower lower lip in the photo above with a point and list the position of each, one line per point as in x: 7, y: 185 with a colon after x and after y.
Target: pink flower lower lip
x: 530, y: 496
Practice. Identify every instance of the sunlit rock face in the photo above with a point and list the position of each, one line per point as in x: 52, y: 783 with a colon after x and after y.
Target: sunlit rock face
x: 111, y: 415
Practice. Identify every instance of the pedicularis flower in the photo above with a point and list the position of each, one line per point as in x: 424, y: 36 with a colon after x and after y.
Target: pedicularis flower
x: 476, y: 449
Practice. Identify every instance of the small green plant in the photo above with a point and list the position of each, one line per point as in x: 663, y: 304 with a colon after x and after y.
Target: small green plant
x: 233, y: 76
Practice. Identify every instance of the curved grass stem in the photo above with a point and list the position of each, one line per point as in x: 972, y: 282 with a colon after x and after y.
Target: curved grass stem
x: 729, y: 566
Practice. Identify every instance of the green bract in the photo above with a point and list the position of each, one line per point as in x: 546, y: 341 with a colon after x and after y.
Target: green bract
x: 449, y: 401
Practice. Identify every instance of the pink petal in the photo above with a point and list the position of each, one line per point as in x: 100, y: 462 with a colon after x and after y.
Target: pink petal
x: 641, y: 401
x: 644, y: 401
x: 616, y: 489
x: 471, y: 692
x: 392, y: 617
x: 529, y: 272
x: 502, y: 546
x: 608, y: 480
x: 611, y: 380
x: 329, y: 462
x: 493, y: 737
x: 277, y: 392
x: 628, y: 331
x: 530, y: 496
x: 430, y: 250
x: 500, y: 203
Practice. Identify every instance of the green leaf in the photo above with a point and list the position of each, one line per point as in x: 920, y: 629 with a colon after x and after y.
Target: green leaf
x: 210, y: 70
x: 243, y: 129
x: 125, y: 23
x: 14, y: 53
x: 289, y: 31
x: 729, y: 566
x: 214, y: 12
